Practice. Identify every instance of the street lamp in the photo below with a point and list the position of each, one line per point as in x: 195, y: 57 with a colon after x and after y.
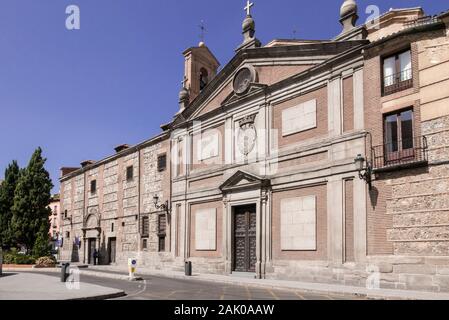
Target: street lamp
x: 163, y: 206
x: 364, y: 172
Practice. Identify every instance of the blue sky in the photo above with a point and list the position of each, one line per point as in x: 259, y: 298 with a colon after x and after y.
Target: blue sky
x: 77, y: 94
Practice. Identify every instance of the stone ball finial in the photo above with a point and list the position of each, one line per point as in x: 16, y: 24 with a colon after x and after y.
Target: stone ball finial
x: 183, y: 94
x: 201, y: 44
x: 248, y: 24
x: 349, y: 7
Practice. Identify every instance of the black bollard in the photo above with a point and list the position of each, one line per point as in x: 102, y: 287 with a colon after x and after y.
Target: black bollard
x: 188, y: 268
x: 65, y: 271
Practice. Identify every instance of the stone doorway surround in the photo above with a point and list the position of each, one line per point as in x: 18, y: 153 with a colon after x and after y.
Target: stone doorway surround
x: 91, y: 230
x: 244, y: 189
x: 244, y: 239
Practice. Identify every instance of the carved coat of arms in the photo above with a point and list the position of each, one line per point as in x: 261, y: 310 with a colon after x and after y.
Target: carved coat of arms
x: 247, y: 135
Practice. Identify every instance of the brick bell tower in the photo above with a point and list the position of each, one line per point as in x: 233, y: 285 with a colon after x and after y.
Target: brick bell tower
x: 199, y: 69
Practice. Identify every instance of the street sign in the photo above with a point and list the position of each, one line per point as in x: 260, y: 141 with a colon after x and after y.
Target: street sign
x: 132, y: 265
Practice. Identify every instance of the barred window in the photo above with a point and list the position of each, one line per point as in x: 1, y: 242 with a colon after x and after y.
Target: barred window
x: 93, y: 186
x: 145, y: 226
x: 162, y: 162
x: 130, y: 173
x: 162, y: 231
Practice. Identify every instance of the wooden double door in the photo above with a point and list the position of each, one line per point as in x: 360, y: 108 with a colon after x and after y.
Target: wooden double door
x: 92, y: 245
x: 112, y: 250
x: 244, y: 239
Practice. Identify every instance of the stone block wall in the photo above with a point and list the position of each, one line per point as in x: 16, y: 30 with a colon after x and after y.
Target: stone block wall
x: 419, y: 202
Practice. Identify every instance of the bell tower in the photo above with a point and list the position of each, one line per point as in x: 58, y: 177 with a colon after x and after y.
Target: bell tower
x: 200, y: 68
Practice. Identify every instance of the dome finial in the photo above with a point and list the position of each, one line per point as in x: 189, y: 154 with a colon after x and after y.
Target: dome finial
x: 249, y: 29
x: 184, y: 96
x: 348, y: 15
x: 348, y: 7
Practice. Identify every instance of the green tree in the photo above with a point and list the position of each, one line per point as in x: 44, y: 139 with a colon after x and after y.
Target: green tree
x: 31, y: 199
x: 42, y: 245
x: 7, y: 189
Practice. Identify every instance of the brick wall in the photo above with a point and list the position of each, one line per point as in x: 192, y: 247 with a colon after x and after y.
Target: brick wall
x: 348, y: 104
x: 322, y: 124
x: 349, y: 220
x: 218, y: 205
x: 321, y: 202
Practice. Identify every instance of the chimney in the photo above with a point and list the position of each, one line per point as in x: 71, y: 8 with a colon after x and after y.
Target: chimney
x: 87, y: 163
x: 121, y: 147
x: 67, y: 170
x: 200, y: 68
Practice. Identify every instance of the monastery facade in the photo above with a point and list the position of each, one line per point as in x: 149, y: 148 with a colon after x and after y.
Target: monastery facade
x: 323, y: 161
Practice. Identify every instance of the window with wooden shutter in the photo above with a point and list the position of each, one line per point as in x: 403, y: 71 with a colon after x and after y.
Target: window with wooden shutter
x: 162, y: 231
x: 145, y: 226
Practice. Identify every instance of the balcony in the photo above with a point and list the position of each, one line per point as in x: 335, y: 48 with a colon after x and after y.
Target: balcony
x: 400, y: 154
x: 398, y: 82
x: 422, y: 21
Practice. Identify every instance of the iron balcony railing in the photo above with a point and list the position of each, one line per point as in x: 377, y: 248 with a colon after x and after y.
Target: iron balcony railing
x: 398, y: 82
x: 402, y: 153
x: 422, y: 21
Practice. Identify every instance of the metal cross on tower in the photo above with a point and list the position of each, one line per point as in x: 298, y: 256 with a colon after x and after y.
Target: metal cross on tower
x: 248, y: 7
x: 203, y: 31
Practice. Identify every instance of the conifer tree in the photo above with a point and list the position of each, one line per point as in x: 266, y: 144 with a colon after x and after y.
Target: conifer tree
x: 31, y: 199
x: 7, y: 189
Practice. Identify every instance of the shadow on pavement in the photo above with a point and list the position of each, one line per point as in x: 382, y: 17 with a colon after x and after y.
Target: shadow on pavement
x: 4, y: 275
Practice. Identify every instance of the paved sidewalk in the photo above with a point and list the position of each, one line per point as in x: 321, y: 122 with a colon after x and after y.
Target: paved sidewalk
x: 34, y: 286
x: 391, y: 294
x: 120, y: 273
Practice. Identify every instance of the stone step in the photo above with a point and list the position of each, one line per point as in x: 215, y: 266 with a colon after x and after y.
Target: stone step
x: 247, y: 275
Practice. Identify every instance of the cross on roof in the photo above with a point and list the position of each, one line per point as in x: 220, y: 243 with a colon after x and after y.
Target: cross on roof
x: 248, y: 7
x: 203, y: 30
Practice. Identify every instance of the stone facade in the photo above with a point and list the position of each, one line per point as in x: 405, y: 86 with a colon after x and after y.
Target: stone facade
x: 260, y: 172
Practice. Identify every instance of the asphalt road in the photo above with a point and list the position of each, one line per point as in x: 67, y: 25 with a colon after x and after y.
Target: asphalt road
x: 158, y: 288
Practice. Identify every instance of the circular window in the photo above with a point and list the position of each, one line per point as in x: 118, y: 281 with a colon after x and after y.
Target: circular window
x: 242, y: 80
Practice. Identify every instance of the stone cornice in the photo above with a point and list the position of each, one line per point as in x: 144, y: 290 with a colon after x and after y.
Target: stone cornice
x: 312, y: 49
x: 130, y: 150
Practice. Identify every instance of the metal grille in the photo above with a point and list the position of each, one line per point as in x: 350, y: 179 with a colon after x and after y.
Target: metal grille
x: 398, y: 82
x: 400, y: 153
x: 161, y: 162
x: 145, y: 226
x: 422, y: 21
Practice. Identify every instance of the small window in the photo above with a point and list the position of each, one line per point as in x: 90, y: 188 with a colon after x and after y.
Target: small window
x: 145, y: 226
x: 112, y: 227
x: 397, y: 72
x: 145, y: 244
x: 130, y: 173
x: 65, y: 214
x: 162, y: 162
x: 162, y: 232
x: 93, y: 187
x: 67, y: 235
